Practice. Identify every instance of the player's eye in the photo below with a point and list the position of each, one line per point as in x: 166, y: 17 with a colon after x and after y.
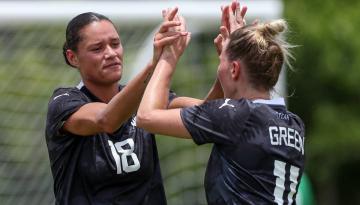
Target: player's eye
x: 96, y: 49
x: 115, y: 44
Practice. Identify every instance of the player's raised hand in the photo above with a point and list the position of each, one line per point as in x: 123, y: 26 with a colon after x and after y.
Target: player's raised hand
x: 181, y: 28
x: 237, y: 19
x: 233, y: 16
x: 173, y: 51
x: 179, y: 45
x: 219, y: 41
x: 225, y: 17
x: 166, y: 34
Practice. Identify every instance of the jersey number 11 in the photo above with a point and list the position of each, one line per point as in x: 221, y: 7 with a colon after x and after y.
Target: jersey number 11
x: 280, y: 173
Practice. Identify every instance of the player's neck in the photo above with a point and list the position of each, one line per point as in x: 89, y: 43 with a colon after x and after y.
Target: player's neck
x: 104, y: 92
x: 251, y: 94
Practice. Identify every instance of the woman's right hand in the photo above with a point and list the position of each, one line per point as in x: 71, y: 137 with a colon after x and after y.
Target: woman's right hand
x: 167, y: 33
x: 173, y: 51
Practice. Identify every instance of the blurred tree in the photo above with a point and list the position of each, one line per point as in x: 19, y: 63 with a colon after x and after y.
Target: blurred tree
x: 326, y: 87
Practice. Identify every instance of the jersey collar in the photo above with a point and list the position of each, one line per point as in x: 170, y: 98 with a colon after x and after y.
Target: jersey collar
x: 275, y: 101
x: 87, y: 92
x: 81, y: 86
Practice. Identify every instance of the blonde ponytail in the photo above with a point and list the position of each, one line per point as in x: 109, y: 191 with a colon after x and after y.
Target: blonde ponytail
x: 273, y: 28
x: 263, y: 50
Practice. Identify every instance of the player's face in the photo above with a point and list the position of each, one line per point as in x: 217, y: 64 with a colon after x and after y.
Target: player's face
x: 100, y: 53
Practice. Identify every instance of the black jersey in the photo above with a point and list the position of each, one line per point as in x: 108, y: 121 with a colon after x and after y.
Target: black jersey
x: 258, y: 152
x: 119, y: 169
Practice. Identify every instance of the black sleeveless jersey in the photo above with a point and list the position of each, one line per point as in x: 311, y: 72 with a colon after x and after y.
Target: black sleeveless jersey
x: 258, y: 153
x: 119, y: 169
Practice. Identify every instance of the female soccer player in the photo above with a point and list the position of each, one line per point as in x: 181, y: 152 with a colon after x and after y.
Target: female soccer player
x: 97, y: 154
x: 258, y: 152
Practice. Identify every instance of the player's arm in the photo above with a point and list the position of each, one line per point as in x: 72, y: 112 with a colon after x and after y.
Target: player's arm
x: 215, y: 92
x: 100, y: 117
x: 153, y: 114
x: 97, y: 117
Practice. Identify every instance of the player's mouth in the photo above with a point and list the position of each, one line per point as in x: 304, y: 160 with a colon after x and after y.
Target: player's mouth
x: 113, y: 65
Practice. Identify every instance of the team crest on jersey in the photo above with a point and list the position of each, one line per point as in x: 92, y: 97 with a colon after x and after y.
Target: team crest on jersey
x: 226, y: 104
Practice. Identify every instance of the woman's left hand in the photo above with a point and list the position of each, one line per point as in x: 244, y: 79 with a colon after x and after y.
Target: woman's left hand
x: 233, y: 16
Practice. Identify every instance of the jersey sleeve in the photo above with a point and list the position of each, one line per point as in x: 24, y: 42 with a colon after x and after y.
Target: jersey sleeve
x: 63, y: 103
x: 217, y: 121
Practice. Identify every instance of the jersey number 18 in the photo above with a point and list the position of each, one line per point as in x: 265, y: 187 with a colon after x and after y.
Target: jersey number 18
x: 122, y: 159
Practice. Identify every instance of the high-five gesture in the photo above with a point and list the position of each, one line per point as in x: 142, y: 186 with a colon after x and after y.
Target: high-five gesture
x: 167, y: 33
x: 175, y: 50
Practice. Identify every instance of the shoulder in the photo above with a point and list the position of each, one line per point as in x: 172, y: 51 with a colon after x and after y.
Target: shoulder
x: 225, y: 103
x: 231, y: 106
x: 66, y: 94
x: 65, y: 91
x: 222, y: 108
x: 62, y: 103
x: 66, y: 100
x: 297, y: 120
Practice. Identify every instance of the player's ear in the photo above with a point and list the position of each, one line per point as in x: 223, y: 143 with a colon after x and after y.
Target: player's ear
x: 72, y: 58
x: 236, y: 70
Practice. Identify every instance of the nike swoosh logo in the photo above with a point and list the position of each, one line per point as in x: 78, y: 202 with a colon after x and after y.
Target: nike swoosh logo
x: 65, y: 94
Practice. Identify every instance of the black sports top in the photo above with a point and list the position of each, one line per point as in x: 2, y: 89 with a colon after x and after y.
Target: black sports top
x: 120, y: 168
x: 258, y: 152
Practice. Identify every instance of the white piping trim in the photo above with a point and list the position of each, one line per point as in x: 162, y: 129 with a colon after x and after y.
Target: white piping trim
x: 80, y: 85
x: 276, y: 101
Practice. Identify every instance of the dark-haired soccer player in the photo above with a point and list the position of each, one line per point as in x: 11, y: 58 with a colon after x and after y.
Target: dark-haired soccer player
x: 97, y: 154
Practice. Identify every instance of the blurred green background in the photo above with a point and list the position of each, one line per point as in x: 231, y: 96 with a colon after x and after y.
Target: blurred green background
x: 326, y: 93
x: 323, y: 89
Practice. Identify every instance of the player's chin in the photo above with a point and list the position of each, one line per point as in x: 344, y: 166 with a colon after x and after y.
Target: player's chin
x: 114, y: 77
x: 113, y: 73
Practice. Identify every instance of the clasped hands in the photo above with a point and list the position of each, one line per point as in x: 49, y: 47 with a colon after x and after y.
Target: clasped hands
x: 172, y: 37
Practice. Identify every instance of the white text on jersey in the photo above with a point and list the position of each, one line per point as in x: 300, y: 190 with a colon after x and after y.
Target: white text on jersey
x: 286, y: 136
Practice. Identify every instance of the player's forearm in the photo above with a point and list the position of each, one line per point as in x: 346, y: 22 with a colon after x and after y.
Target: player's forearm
x: 157, y: 91
x: 215, y: 92
x: 181, y: 102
